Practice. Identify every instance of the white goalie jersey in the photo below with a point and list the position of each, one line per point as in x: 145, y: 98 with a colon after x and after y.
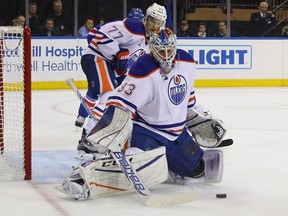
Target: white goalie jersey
x: 165, y: 98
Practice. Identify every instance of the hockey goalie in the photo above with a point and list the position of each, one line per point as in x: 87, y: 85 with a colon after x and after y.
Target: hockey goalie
x: 103, y: 177
x: 154, y: 110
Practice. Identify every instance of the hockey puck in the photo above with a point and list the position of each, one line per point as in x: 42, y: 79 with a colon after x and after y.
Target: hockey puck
x: 221, y: 195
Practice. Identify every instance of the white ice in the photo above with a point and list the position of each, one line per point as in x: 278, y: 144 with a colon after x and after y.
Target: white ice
x: 255, y: 167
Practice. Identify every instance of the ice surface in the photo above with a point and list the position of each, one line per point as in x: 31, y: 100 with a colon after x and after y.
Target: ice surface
x: 255, y: 167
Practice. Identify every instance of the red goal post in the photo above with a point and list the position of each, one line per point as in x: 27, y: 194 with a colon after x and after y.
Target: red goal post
x: 15, y: 103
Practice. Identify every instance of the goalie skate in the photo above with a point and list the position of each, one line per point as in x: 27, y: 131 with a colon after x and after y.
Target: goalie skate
x: 74, y: 186
x: 74, y: 190
x: 83, y: 151
x: 79, y: 122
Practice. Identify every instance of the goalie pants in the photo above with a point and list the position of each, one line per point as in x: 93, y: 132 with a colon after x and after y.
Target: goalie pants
x: 183, y: 154
x: 101, y: 78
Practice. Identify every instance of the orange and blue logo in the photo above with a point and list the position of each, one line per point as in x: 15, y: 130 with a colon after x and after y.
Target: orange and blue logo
x: 177, y: 89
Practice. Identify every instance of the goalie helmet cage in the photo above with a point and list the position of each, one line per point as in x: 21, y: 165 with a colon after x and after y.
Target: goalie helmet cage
x: 15, y: 103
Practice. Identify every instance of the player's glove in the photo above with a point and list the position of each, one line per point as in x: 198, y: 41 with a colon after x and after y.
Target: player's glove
x: 206, y: 130
x: 121, y: 61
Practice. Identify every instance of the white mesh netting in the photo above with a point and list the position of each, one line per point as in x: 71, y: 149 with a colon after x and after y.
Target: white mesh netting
x: 11, y: 104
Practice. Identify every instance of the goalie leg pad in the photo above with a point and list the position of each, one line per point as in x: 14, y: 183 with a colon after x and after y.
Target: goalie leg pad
x: 111, y: 132
x: 104, y: 177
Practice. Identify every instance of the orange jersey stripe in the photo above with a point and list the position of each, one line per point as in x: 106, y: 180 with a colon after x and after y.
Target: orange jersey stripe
x: 96, y: 114
x: 89, y: 103
x: 175, y: 131
x: 191, y: 99
x: 104, y: 74
x: 114, y: 104
x: 100, y: 38
x: 94, y: 43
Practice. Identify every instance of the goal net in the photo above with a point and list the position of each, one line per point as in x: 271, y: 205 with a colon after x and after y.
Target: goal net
x: 15, y: 103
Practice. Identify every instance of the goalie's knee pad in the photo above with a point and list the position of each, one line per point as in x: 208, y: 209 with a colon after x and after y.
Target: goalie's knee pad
x: 213, y: 159
x: 111, y: 132
x: 213, y: 169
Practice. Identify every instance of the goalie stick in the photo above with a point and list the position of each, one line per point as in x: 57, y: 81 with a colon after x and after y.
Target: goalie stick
x: 144, y: 193
x: 225, y: 143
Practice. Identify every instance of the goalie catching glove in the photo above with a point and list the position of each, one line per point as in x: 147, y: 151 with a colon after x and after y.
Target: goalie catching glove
x: 207, y: 131
x: 111, y: 132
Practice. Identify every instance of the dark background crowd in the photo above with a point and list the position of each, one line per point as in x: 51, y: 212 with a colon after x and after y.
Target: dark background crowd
x: 63, y: 16
x: 56, y: 17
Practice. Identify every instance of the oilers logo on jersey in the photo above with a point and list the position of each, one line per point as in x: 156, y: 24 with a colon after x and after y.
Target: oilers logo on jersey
x: 177, y: 89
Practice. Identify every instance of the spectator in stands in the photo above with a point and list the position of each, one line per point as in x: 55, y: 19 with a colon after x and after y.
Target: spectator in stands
x: 223, y: 30
x: 86, y: 28
x: 21, y: 20
x: 14, y: 22
x: 48, y: 29
x: 202, y: 30
x: 10, y: 9
x: 261, y: 21
x: 34, y: 20
x: 61, y: 20
x: 184, y: 30
x: 101, y: 21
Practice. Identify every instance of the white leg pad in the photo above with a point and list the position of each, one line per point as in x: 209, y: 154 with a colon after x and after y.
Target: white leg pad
x: 111, y: 132
x: 104, y: 177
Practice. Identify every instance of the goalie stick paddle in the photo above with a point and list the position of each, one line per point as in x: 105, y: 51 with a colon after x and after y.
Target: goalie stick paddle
x: 225, y: 143
x: 131, y: 174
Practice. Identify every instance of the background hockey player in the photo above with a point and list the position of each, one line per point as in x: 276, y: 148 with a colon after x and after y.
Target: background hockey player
x: 159, y: 94
x: 105, y: 60
x: 136, y: 13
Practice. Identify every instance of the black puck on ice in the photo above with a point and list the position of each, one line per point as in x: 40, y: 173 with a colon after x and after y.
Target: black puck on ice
x: 221, y: 195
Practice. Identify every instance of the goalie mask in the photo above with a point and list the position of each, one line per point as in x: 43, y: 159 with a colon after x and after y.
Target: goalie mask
x: 155, y: 18
x: 163, y: 47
